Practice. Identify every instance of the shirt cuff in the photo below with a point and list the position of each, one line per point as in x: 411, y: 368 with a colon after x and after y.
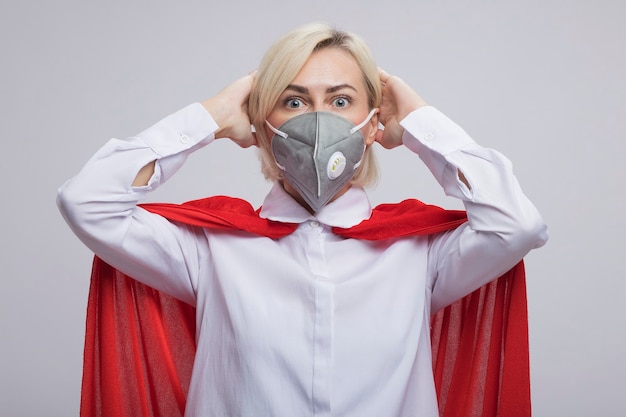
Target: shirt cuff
x: 428, y: 128
x: 180, y: 131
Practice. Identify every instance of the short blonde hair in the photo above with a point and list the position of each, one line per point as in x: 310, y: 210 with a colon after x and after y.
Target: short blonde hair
x: 280, y: 65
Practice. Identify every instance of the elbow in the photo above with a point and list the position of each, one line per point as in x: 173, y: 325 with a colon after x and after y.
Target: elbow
x: 73, y: 206
x: 540, y: 234
x: 528, y: 232
x: 68, y: 203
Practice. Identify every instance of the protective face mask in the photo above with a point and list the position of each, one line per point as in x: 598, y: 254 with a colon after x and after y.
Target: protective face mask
x: 318, y: 153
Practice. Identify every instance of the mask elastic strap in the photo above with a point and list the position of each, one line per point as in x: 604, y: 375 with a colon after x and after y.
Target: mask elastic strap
x: 281, y: 134
x: 278, y: 132
x: 363, y: 123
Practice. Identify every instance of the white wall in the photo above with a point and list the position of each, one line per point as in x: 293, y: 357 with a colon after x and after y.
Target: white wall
x: 542, y: 81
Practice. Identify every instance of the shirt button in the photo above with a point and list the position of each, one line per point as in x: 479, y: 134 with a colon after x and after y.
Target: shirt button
x: 429, y: 136
x: 184, y: 138
x: 314, y: 223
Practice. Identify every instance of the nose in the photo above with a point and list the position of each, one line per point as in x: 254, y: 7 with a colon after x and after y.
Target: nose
x: 316, y: 107
x: 318, y: 104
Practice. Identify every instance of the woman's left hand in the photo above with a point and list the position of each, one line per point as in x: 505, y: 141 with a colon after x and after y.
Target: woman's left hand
x: 398, y: 100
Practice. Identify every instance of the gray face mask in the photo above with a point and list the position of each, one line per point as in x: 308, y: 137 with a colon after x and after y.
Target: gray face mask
x: 318, y: 153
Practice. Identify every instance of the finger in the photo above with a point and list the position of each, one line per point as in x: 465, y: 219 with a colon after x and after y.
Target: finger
x: 245, y: 140
x: 252, y: 76
x: 384, y: 75
x: 385, y: 139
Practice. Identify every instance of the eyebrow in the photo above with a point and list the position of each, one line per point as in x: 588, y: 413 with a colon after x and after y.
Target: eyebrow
x: 304, y: 90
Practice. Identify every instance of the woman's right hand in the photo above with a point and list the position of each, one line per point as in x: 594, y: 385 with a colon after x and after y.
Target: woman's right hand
x: 229, y: 109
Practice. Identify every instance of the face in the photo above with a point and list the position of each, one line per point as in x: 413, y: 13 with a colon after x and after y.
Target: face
x: 330, y: 81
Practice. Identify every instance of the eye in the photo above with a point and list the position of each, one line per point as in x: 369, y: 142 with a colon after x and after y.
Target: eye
x: 293, y: 103
x: 341, y: 102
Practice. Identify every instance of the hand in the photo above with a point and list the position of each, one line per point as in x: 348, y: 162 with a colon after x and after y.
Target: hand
x: 229, y: 108
x: 397, y: 102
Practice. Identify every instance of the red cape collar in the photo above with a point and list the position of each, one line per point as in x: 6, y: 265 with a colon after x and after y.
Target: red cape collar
x: 408, y: 218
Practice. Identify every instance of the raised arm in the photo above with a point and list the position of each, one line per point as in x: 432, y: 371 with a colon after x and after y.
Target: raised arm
x: 503, y: 225
x: 232, y: 121
x: 100, y: 203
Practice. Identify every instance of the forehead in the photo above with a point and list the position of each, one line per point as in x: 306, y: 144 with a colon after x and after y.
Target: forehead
x: 329, y: 67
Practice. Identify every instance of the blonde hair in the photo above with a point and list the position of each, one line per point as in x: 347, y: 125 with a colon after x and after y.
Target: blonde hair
x: 280, y: 65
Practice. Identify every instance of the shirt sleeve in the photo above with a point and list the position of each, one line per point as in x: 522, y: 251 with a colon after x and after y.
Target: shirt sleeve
x: 503, y: 225
x: 100, y: 203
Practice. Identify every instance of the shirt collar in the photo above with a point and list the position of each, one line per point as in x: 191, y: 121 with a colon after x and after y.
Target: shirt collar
x: 348, y: 210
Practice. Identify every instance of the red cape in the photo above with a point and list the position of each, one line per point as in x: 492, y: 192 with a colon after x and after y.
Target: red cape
x: 140, y: 343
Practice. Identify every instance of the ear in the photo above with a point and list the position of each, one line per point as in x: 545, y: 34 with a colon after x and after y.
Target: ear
x: 373, y: 129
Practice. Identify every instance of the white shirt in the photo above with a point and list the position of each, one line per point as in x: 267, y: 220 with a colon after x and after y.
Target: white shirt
x: 311, y: 324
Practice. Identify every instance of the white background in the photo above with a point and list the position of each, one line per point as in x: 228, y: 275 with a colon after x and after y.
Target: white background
x: 542, y: 81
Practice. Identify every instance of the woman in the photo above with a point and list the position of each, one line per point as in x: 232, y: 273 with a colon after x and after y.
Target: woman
x: 309, y: 323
